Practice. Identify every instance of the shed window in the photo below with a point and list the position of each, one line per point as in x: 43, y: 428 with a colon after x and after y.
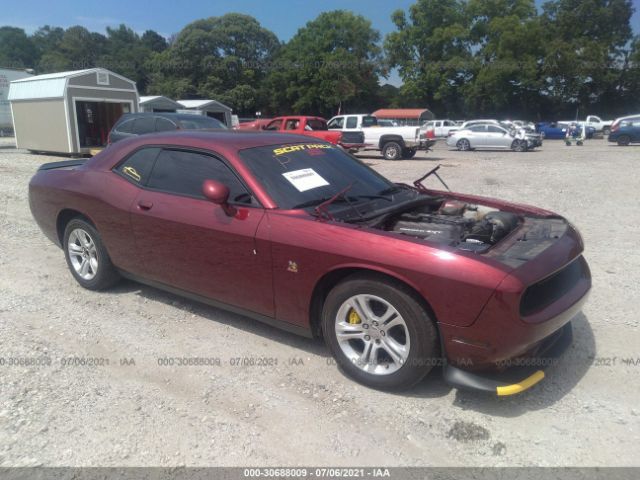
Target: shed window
x: 102, y: 78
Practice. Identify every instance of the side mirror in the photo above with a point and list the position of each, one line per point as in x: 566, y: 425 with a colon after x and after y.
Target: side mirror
x: 218, y: 193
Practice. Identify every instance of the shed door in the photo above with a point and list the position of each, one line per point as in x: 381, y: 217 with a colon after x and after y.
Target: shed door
x: 95, y: 120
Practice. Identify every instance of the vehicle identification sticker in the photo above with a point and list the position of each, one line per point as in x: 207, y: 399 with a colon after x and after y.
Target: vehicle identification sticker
x: 305, y: 179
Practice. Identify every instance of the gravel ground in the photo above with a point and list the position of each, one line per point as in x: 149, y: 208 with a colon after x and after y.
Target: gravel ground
x: 302, y: 411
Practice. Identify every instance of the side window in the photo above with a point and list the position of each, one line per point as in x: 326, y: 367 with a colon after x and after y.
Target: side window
x: 494, y: 129
x: 478, y: 128
x: 275, y: 125
x: 138, y: 166
x: 164, y: 125
x: 292, y: 124
x: 337, y: 122
x: 352, y: 122
x: 125, y: 127
x: 183, y: 173
x: 145, y: 125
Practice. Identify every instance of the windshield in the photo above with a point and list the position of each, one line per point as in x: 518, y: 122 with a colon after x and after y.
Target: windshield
x: 199, y: 123
x: 306, y: 174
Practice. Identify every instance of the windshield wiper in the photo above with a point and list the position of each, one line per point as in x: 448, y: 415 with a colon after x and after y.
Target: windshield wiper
x: 390, y: 190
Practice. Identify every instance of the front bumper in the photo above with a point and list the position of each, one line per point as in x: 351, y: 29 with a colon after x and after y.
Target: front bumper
x: 523, y: 374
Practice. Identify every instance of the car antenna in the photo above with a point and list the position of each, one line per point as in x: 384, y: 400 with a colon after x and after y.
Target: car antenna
x: 434, y: 171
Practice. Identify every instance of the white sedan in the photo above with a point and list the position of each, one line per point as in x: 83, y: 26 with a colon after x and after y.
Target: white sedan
x: 489, y: 136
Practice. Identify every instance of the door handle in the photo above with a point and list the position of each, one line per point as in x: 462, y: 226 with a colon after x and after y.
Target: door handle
x: 145, y: 205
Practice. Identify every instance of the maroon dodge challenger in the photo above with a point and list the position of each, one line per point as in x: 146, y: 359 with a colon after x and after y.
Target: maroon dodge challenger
x: 396, y: 278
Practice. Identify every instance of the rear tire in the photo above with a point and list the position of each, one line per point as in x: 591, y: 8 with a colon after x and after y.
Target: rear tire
x: 379, y: 333
x: 463, y: 145
x: 392, y: 151
x: 606, y: 131
x: 624, y: 140
x: 86, y: 256
x: 409, y: 153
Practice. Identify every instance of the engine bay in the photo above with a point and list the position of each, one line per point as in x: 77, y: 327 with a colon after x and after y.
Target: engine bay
x: 454, y: 223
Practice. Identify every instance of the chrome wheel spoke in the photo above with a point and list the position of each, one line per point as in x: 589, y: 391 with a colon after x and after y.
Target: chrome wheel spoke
x: 83, y: 254
x: 346, y: 331
x: 396, y: 351
x: 363, y: 338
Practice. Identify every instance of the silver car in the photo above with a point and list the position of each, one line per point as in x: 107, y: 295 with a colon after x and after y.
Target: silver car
x: 489, y: 136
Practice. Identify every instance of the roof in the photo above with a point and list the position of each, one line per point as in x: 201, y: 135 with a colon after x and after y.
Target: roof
x: 400, y: 112
x: 51, y: 85
x: 202, y: 104
x: 160, y: 100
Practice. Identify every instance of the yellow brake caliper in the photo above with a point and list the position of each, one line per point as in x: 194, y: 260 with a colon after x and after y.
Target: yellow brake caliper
x: 354, y: 318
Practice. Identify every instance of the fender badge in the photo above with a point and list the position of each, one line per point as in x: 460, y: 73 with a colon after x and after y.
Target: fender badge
x: 293, y: 267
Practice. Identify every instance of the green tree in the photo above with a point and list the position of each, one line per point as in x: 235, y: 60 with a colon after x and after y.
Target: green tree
x: 333, y: 62
x: 154, y: 41
x: 77, y: 49
x: 224, y: 58
x: 584, y: 65
x: 16, y: 48
x: 432, y: 50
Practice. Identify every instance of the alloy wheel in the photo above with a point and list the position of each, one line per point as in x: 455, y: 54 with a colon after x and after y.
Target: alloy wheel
x: 83, y: 254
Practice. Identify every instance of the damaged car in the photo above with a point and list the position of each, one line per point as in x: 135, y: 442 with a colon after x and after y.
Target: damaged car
x: 397, y: 279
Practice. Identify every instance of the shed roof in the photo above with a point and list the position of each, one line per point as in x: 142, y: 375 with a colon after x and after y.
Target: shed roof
x: 159, y: 100
x: 203, y: 104
x: 401, y: 113
x: 52, y: 85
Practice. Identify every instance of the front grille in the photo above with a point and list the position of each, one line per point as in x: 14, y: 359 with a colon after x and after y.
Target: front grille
x: 352, y: 137
x: 545, y: 292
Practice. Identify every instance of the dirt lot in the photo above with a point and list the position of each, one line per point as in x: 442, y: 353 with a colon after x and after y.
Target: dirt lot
x: 303, y: 411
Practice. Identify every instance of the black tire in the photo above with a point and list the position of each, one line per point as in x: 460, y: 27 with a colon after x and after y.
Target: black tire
x: 606, y: 131
x: 392, y: 151
x: 579, y: 143
x: 422, y: 333
x: 463, y: 145
x: 105, y: 274
x: 409, y: 153
x: 624, y: 140
x: 519, y: 146
x: 567, y: 143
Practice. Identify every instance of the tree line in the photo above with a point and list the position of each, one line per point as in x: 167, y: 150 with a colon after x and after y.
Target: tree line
x: 459, y: 58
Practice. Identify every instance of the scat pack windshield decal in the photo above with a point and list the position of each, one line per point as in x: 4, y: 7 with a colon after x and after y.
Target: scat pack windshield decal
x: 300, y: 148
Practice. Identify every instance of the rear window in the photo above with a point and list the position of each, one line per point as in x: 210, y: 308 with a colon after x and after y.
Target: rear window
x: 369, y: 121
x: 315, y: 124
x: 352, y: 122
x: 138, y: 166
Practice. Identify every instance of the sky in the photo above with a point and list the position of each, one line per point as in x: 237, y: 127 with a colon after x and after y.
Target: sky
x: 283, y: 17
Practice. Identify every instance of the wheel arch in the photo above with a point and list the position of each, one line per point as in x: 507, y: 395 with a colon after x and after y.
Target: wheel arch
x: 384, y: 139
x: 65, y: 216
x: 324, y: 285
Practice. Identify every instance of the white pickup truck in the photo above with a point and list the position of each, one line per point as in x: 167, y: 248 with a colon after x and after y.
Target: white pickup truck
x: 395, y: 143
x: 441, y: 127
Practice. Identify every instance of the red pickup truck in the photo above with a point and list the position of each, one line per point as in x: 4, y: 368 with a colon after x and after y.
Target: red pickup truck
x: 317, y: 127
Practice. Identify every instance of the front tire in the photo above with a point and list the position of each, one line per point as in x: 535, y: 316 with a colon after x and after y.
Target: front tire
x: 392, y: 151
x: 519, y: 146
x: 86, y: 256
x: 378, y: 333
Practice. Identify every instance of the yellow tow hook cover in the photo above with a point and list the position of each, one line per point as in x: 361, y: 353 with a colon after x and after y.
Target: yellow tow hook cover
x: 521, y: 386
x: 354, y: 318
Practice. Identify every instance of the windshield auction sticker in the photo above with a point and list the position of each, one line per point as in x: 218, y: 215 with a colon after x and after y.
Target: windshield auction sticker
x: 299, y: 148
x: 305, y: 179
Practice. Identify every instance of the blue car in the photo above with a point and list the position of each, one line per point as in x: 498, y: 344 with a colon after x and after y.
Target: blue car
x: 625, y: 130
x: 558, y: 130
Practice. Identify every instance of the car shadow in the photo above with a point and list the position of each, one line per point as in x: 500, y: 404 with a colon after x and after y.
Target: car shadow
x: 221, y: 316
x: 560, y: 378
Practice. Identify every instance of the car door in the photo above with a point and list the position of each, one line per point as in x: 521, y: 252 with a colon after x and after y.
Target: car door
x: 498, y: 137
x: 190, y: 243
x: 477, y: 136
